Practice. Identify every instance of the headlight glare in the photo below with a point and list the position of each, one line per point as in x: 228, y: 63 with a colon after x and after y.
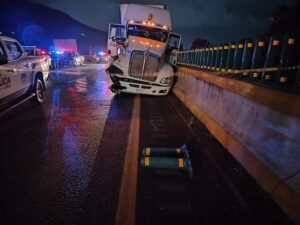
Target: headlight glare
x: 166, y: 80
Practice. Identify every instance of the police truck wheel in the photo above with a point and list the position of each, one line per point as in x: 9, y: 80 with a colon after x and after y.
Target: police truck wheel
x: 38, y: 91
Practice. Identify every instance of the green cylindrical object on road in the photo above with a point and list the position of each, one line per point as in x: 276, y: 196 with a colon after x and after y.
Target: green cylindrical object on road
x: 163, y: 162
x: 170, y: 152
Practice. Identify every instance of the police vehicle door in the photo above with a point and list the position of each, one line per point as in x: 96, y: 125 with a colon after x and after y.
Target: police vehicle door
x: 18, y: 71
x: 5, y: 79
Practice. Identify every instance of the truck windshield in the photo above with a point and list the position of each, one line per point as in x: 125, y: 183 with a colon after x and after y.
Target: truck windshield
x: 148, y: 32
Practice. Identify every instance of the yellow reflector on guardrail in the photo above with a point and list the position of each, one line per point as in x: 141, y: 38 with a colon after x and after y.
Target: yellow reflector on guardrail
x: 147, y: 161
x: 275, y: 42
x: 283, y: 79
x: 291, y: 41
x: 268, y: 77
x: 180, y: 163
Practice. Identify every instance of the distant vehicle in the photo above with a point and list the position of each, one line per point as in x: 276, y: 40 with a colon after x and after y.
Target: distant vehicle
x: 66, y: 53
x: 70, y: 59
x: 91, y: 59
x: 103, y: 57
x: 143, y: 50
x: 81, y: 59
x: 38, y: 52
x: 20, y: 75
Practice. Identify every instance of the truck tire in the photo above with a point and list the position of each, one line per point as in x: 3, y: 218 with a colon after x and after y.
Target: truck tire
x: 38, y: 90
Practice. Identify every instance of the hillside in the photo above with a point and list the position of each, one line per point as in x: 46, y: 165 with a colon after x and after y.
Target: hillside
x: 36, y: 24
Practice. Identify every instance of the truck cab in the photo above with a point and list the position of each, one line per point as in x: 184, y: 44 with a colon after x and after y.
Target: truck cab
x: 143, y: 50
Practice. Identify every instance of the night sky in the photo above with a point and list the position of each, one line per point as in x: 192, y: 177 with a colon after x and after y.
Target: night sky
x: 215, y: 20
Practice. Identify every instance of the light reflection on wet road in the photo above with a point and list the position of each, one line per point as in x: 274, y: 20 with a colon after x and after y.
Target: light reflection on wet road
x: 48, y: 152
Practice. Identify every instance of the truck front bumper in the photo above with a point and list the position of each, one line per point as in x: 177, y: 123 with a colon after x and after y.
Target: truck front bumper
x: 126, y: 84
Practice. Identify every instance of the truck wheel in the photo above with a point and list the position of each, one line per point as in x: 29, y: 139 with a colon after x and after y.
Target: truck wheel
x: 38, y: 91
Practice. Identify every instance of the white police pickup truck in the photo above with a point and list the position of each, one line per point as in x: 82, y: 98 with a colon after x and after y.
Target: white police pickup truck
x: 21, y: 77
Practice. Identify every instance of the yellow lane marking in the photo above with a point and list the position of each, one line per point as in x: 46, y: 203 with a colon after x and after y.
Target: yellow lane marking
x: 127, y: 195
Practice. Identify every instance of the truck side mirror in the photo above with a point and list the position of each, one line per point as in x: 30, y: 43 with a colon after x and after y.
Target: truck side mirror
x: 3, y: 60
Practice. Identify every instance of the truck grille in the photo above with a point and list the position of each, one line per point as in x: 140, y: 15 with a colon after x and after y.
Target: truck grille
x: 143, y: 65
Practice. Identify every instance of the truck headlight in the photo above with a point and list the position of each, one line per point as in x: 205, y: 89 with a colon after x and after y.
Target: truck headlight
x: 166, y: 80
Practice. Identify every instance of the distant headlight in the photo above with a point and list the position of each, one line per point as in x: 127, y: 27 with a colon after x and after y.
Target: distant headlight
x: 167, y: 80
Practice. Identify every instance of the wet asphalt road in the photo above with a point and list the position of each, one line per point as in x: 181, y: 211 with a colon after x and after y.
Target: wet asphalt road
x: 61, y: 162
x: 50, y: 154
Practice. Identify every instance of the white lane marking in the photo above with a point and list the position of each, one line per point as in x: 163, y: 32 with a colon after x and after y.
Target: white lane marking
x: 127, y: 195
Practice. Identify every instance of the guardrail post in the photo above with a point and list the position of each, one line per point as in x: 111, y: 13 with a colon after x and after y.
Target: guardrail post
x: 204, y: 59
x: 191, y: 58
x: 213, y: 57
x: 195, y: 51
x: 224, y: 57
x: 199, y: 58
x: 218, y: 58
x: 258, y: 60
x: 288, y: 62
x: 272, y: 60
x: 230, y: 58
x: 237, y: 63
x: 247, y: 58
x: 209, y: 56
x: 187, y: 57
x: 179, y: 58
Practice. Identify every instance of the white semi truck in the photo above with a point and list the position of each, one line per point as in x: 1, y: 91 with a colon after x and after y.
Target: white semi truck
x: 143, y: 50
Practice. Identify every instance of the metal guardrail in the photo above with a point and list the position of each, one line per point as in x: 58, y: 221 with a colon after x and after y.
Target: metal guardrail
x: 273, y: 63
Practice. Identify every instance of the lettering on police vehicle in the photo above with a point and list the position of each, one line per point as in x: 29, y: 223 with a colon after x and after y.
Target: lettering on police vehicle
x: 5, y: 82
